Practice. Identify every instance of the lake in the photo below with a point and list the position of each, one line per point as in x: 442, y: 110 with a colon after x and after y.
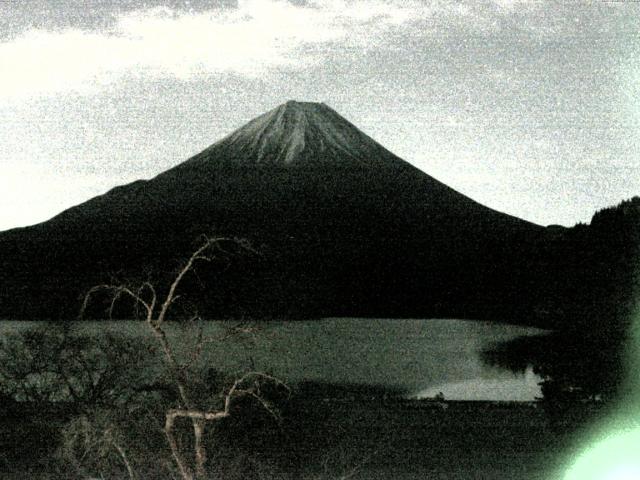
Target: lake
x: 420, y: 357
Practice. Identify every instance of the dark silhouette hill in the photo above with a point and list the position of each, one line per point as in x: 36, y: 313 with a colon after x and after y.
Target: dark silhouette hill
x: 344, y: 227
x: 587, y: 281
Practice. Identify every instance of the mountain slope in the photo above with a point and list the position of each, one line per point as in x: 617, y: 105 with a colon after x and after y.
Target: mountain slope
x: 345, y: 227
x: 298, y: 133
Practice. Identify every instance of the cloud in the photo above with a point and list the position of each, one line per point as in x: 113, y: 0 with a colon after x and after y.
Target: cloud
x: 251, y: 40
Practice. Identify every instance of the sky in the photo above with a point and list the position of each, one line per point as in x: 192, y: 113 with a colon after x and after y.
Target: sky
x: 531, y: 108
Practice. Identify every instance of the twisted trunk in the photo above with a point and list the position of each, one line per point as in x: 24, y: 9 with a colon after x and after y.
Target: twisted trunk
x: 199, y: 447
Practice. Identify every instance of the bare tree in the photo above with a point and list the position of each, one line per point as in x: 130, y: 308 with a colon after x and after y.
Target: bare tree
x: 53, y: 364
x: 155, y: 308
x: 95, y: 439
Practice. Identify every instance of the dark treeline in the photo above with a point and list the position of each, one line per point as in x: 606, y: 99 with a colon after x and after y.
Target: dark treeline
x: 591, y: 277
x: 590, y: 281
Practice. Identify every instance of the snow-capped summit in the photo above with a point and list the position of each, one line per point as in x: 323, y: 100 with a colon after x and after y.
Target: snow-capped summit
x: 301, y: 134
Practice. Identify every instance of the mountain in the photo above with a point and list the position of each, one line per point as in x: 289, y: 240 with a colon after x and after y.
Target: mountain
x: 297, y: 133
x: 344, y: 227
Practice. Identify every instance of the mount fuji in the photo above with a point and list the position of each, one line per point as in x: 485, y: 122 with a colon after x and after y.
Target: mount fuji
x: 344, y: 228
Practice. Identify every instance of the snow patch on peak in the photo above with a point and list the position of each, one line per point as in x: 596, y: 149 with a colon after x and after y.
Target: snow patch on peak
x: 300, y: 134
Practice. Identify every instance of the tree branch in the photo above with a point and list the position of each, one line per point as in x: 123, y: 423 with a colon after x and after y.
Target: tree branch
x: 155, y: 317
x: 197, y: 255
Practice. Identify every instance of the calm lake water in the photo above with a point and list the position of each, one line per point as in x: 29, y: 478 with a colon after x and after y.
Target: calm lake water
x: 421, y: 357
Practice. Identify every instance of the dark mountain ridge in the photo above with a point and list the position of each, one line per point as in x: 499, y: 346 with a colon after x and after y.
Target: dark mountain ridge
x: 297, y: 141
x: 345, y: 228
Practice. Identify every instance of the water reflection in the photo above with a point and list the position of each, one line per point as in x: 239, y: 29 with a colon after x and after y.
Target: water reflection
x: 411, y: 356
x: 519, y: 388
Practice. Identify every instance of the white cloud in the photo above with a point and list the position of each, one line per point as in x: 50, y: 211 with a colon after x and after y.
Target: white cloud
x: 250, y: 40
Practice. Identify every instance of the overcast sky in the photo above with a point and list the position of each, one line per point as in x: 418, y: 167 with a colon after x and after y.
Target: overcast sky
x: 530, y: 108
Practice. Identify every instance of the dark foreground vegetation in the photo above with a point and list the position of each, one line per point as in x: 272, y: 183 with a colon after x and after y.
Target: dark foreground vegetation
x: 81, y: 406
x: 319, y: 439
x: 356, y: 439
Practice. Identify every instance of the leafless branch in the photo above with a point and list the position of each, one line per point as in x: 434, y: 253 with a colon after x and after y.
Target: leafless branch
x: 117, y: 291
x: 146, y: 296
x: 197, y: 255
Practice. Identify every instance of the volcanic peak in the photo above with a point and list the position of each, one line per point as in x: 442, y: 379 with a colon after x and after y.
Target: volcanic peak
x: 298, y: 134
